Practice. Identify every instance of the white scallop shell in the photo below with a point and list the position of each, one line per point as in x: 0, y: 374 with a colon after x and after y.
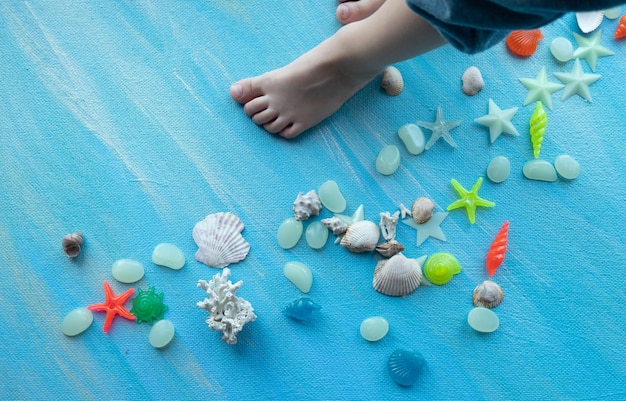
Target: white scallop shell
x: 422, y: 210
x: 336, y: 225
x: 487, y: 294
x: 472, y: 81
x: 397, y: 276
x: 391, y: 81
x: 361, y: 236
x: 219, y: 240
x: 307, y: 205
x: 588, y: 21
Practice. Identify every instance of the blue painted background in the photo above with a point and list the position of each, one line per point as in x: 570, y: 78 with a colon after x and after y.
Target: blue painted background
x: 115, y: 120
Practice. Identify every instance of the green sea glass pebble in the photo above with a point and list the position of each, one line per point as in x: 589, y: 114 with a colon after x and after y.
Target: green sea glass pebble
x: 388, y: 160
x: 316, y: 235
x: 483, y: 320
x: 300, y: 275
x: 613, y: 12
x: 374, y: 328
x: 539, y: 170
x: 499, y: 169
x: 289, y: 233
x: 562, y: 49
x: 413, y: 138
x: 161, y: 333
x: 127, y: 271
x: 567, y: 167
x: 168, y: 255
x: 331, y: 197
x: 76, y: 322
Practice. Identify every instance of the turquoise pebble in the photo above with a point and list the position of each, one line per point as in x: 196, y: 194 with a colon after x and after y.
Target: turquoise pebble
x: 483, y: 320
x: 499, y: 169
x: 127, y: 271
x: 374, y: 328
x: 161, y: 333
x: 405, y: 366
x: 76, y: 321
x: 567, y: 167
x: 168, y: 255
x: 289, y: 233
x: 300, y: 275
x: 316, y: 235
x: 562, y: 49
x: 331, y: 197
x: 539, y: 170
x: 388, y: 160
x: 413, y: 138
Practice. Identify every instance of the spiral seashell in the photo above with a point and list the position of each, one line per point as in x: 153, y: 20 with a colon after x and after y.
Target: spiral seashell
x: 524, y: 42
x: 307, y: 205
x: 391, y: 81
x: 441, y: 267
x: 487, y: 294
x: 335, y: 225
x: 71, y: 244
x: 361, y: 236
x: 422, y: 210
x: 219, y: 240
x: 390, y: 248
x: 620, y: 31
x: 405, y: 366
x: 472, y: 81
x: 538, y: 123
x: 397, y: 276
x: 302, y: 308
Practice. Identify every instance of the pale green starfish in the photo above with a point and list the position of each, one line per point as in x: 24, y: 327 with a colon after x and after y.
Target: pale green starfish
x: 498, y: 121
x: 429, y: 229
x: 590, y: 49
x: 576, y: 82
x: 440, y: 129
x: 540, y: 88
x: 469, y: 199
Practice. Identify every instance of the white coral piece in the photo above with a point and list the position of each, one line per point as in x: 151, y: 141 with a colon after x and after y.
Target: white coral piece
x: 388, y: 223
x: 228, y: 312
x: 307, y: 205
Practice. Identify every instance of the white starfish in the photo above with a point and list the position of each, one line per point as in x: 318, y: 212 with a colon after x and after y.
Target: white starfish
x: 540, y: 88
x: 440, y: 129
x: 590, y: 49
x: 498, y: 121
x: 429, y: 229
x: 576, y: 82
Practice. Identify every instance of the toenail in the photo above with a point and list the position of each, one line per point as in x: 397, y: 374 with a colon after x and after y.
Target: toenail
x: 236, y: 90
x: 344, y: 11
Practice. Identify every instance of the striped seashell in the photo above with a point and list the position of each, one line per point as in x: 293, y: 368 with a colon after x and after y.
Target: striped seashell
x: 524, y: 42
x: 487, y: 294
x: 361, y: 236
x: 620, y: 31
x: 397, y: 276
x: 219, y: 240
x: 588, y: 21
x: 405, y: 366
x: 71, y: 244
x: 390, y: 248
x: 538, y: 123
x: 391, y: 81
x: 495, y: 256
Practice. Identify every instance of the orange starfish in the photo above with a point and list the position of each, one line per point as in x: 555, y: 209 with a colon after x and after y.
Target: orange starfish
x: 113, y: 305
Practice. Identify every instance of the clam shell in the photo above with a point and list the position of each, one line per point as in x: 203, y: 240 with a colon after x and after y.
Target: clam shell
x: 390, y: 248
x: 524, y: 42
x: 361, y: 236
x: 397, y: 276
x: 219, y: 240
x: 405, y: 366
x: 588, y: 21
x: 487, y: 294
x: 307, y: 205
x: 71, y: 244
x: 422, y: 210
x: 391, y: 81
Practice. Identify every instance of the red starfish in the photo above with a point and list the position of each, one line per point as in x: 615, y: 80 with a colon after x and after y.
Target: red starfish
x: 113, y: 305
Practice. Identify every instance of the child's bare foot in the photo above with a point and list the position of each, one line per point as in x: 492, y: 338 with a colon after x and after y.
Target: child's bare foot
x: 350, y: 10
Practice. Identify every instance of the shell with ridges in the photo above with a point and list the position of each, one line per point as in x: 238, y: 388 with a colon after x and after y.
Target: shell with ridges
x: 588, y: 21
x: 538, y: 122
x: 405, y: 366
x: 336, y: 225
x: 219, y: 240
x: 307, y: 205
x: 620, y: 31
x: 71, y: 244
x: 524, y: 42
x: 397, y: 276
x: 361, y: 236
x: 487, y: 294
x: 391, y: 81
x: 422, y: 210
x: 390, y: 248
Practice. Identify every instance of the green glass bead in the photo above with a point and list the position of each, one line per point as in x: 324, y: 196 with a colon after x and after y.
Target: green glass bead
x: 289, y: 233
x: 127, y: 271
x: 539, y: 170
x: 316, y: 235
x: 483, y: 320
x: 300, y: 275
x: 148, y: 306
x: 161, y: 334
x: 499, y: 169
x: 168, y: 255
x: 440, y: 267
x: 567, y: 167
x: 388, y: 160
x: 76, y: 322
x: 562, y: 49
x: 374, y: 328
x: 413, y: 138
x: 331, y: 197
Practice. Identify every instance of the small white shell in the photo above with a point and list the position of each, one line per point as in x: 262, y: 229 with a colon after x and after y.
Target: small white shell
x: 588, y: 21
x: 219, y: 240
x: 487, y: 294
x: 422, y: 210
x: 397, y: 276
x: 391, y: 81
x: 390, y: 248
x: 71, y: 244
x: 307, y: 205
x: 472, y: 81
x: 336, y: 225
x: 361, y: 236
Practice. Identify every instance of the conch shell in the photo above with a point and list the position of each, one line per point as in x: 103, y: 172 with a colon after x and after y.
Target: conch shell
x: 307, y: 205
x: 390, y: 248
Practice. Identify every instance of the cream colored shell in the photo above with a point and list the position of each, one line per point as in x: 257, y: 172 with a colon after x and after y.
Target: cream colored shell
x: 422, y: 210
x: 361, y: 236
x: 307, y: 205
x: 219, y: 240
x: 391, y: 81
x: 487, y: 294
x: 336, y: 225
x: 390, y: 248
x: 397, y: 276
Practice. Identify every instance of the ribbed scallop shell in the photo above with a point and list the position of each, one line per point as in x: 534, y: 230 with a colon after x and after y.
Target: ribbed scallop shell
x: 391, y: 81
x: 588, y: 21
x: 405, y: 366
x: 361, y: 236
x: 397, y: 276
x: 524, y: 42
x: 487, y: 294
x: 219, y: 240
x: 307, y: 205
x: 620, y: 31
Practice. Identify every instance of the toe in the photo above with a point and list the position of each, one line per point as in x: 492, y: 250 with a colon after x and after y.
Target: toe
x: 245, y: 90
x: 351, y: 11
x: 265, y: 116
x: 256, y: 105
x: 277, y: 125
x: 291, y: 130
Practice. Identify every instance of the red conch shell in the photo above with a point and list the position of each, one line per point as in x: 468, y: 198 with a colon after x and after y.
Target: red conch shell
x: 495, y: 256
x: 620, y: 31
x: 524, y: 43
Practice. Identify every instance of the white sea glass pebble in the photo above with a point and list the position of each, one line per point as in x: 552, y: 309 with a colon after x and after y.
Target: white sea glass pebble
x: 331, y: 197
x: 539, y: 170
x: 567, y: 167
x: 613, y: 12
x: 76, y: 322
x: 562, y: 49
x: 499, y: 169
x: 168, y: 255
x: 127, y: 271
x: 289, y: 233
x: 161, y: 333
x: 388, y: 160
x: 483, y: 320
x: 316, y: 235
x: 374, y: 328
x: 300, y: 275
x: 413, y: 138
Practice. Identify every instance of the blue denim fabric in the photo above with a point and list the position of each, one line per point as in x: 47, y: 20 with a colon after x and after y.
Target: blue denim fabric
x: 475, y: 25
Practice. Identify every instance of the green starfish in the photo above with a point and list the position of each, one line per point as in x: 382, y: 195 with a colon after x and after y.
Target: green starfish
x: 469, y: 199
x: 540, y: 88
x: 148, y: 306
x: 590, y: 49
x: 576, y: 82
x: 498, y: 121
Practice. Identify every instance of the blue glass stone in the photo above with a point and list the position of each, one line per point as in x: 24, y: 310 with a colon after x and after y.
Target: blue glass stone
x: 405, y: 366
x: 302, y: 309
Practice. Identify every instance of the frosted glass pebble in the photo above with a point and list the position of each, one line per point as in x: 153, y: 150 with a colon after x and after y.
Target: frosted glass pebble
x: 539, y: 170
x: 388, y: 160
x: 316, y: 235
x: 567, y: 167
x: 161, y: 333
x: 483, y: 320
x: 168, y: 255
x: 127, y: 271
x: 613, y: 12
x: 289, y: 233
x: 76, y: 321
x: 300, y: 275
x: 413, y: 138
x: 562, y: 49
x: 331, y: 197
x: 499, y: 169
x: 374, y: 328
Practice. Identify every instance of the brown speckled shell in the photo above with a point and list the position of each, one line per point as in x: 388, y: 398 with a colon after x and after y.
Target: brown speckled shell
x: 391, y: 81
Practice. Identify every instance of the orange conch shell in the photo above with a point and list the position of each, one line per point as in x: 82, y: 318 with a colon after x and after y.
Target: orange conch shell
x: 495, y: 256
x: 620, y: 31
x: 524, y: 42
